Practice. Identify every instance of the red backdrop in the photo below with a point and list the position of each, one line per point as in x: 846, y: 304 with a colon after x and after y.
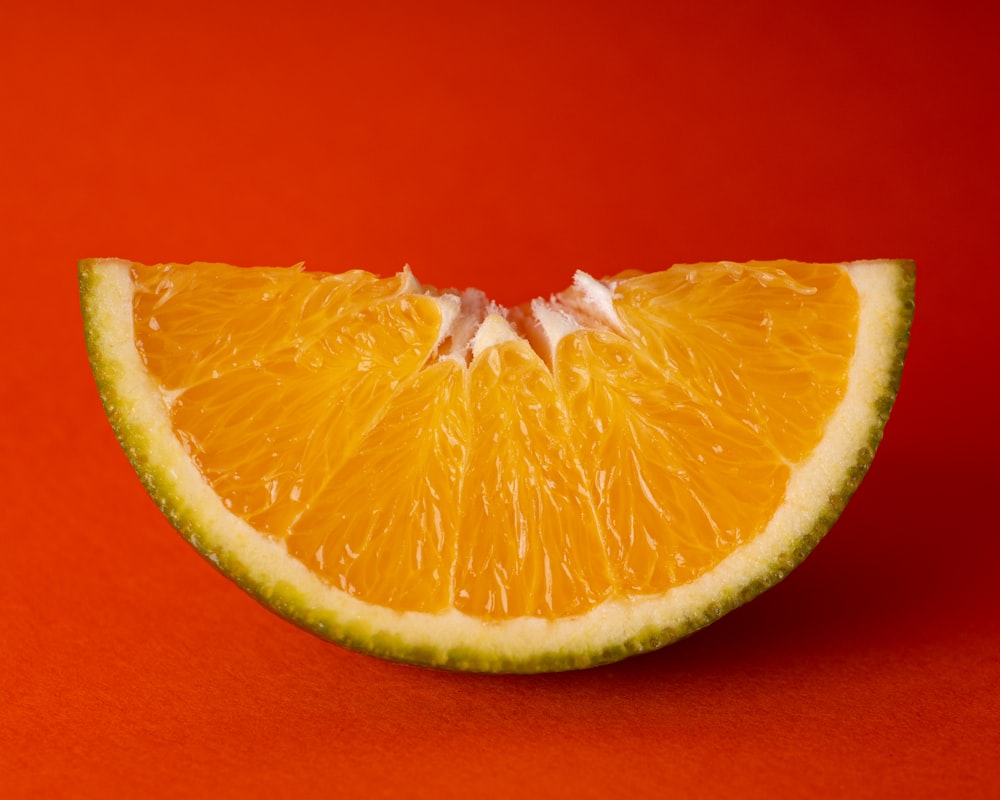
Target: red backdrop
x: 501, y: 145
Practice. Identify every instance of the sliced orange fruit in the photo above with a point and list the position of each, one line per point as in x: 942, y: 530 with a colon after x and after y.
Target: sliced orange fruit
x: 430, y: 477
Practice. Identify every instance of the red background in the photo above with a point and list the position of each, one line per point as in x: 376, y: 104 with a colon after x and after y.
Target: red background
x: 501, y: 145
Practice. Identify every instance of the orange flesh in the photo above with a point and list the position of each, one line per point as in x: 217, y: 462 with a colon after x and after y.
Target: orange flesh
x: 318, y: 408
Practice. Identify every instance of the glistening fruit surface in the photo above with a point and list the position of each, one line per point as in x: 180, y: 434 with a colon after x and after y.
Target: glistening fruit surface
x: 623, y: 462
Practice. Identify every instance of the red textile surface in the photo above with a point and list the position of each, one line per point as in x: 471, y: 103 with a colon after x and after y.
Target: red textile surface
x: 502, y: 146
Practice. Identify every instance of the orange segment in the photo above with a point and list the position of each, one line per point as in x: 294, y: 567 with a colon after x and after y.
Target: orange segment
x: 273, y: 378
x: 677, y: 484
x: 530, y: 543
x: 385, y: 524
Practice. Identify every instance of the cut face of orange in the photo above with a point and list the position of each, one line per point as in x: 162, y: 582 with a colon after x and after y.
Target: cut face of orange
x: 430, y: 477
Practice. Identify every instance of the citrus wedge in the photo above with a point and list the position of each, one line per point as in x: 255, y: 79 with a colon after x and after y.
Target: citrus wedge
x: 427, y: 476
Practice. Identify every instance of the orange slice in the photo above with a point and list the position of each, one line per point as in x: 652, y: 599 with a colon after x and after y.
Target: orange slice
x: 430, y: 477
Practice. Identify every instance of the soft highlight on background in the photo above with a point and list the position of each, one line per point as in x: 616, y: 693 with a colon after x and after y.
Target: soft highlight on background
x: 502, y: 146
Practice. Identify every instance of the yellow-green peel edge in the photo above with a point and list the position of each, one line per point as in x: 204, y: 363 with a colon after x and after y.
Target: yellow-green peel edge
x: 611, y: 631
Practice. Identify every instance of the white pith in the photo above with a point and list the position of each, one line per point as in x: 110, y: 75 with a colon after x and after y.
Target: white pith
x: 471, y: 323
x: 267, y: 564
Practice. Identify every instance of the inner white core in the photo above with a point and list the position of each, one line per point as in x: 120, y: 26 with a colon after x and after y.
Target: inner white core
x: 472, y: 323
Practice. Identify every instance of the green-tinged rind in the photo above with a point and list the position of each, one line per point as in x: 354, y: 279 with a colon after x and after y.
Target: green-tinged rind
x: 452, y: 641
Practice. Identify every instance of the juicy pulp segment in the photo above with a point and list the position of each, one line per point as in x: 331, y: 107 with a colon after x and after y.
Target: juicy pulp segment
x: 695, y: 416
x: 503, y: 487
x: 531, y: 545
x: 384, y: 526
x: 271, y: 401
